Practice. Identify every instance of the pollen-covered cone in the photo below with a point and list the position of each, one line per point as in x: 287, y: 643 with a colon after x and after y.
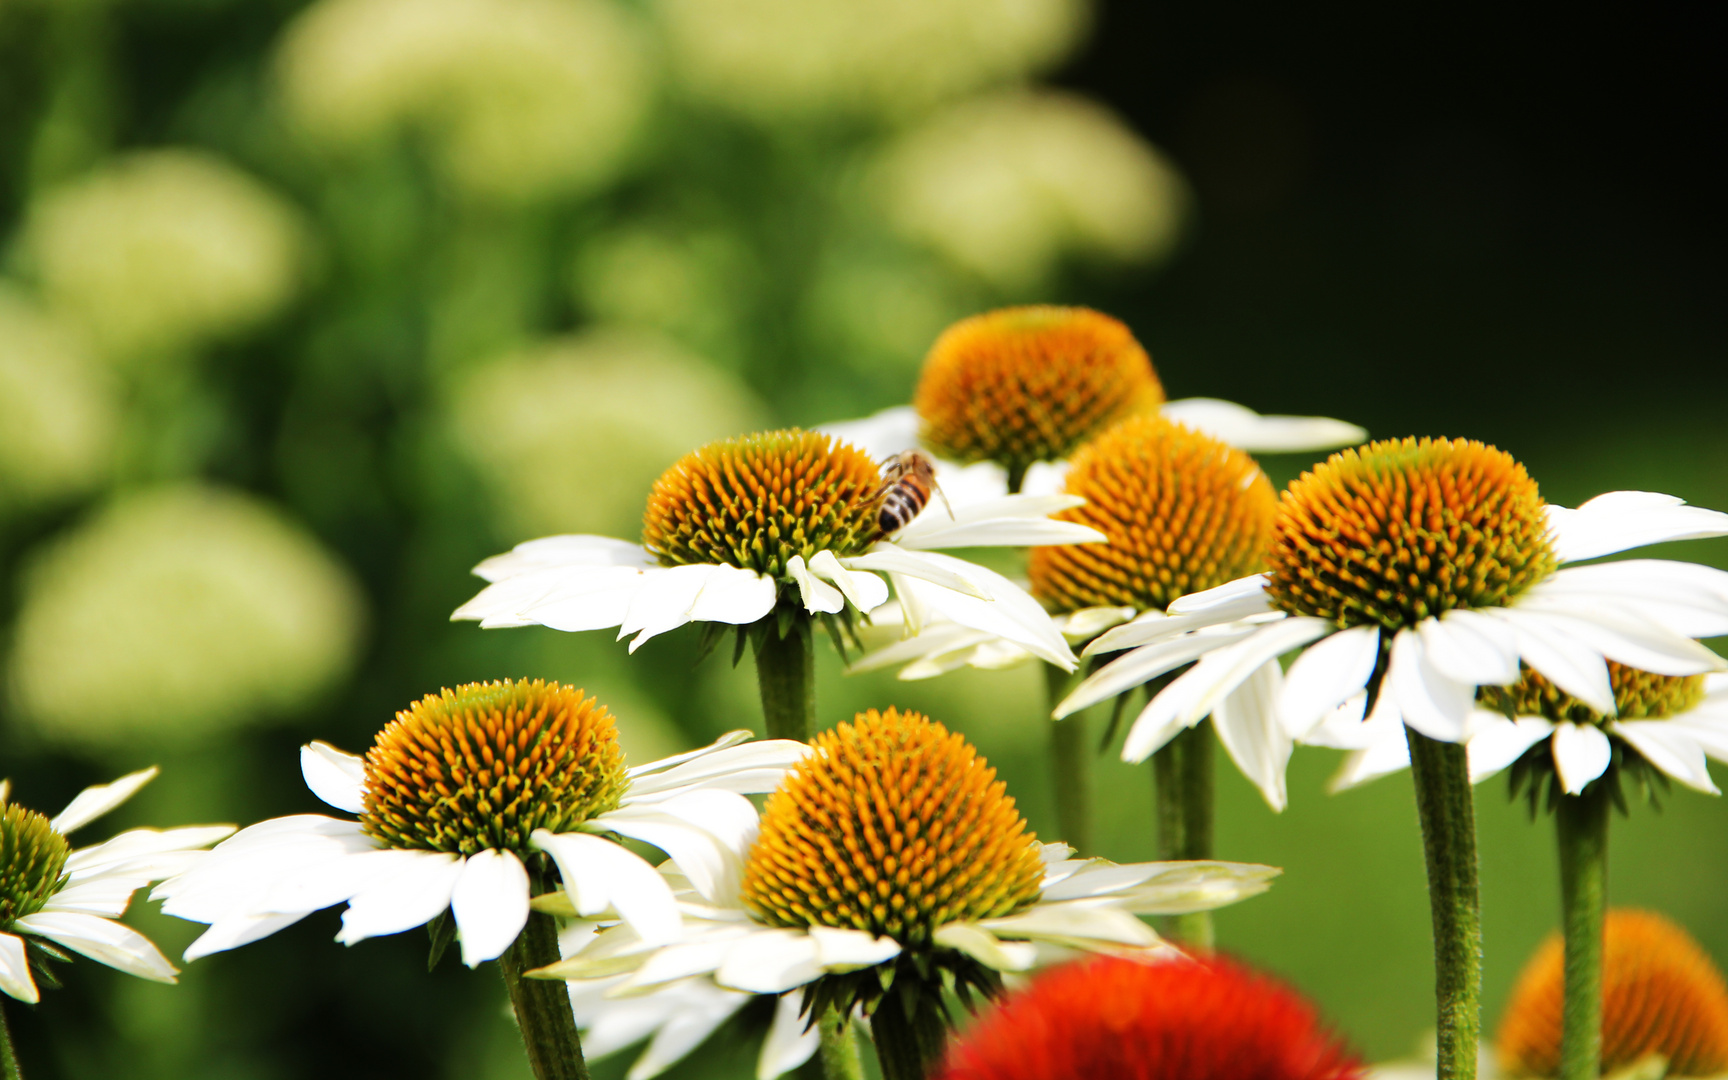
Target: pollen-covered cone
x: 1661, y: 996
x: 1177, y: 1019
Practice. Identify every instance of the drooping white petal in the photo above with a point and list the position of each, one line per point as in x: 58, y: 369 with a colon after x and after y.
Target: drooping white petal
x: 818, y: 597
x: 413, y: 894
x: 1670, y: 748
x: 1326, y: 675
x: 1088, y: 623
x: 93, y: 802
x: 771, y: 962
x: 559, y: 552
x: 1199, y: 690
x: 115, y: 944
x: 1430, y: 702
x: 1620, y: 520
x: 866, y: 591
x: 1570, y: 664
x: 1007, y: 521
x: 264, y: 869
x: 106, y: 896
x: 1007, y: 610
x: 704, y: 593
x: 712, y: 866
x: 1470, y: 647
x: 233, y: 931
x: 790, y: 1042
x: 889, y: 559
x: 1146, y: 663
x: 848, y: 950
x: 752, y: 768
x: 337, y: 777
x: 1151, y: 627
x: 986, y: 948
x: 1387, y: 753
x: 1176, y: 888
x: 1618, y: 633
x: 1683, y: 598
x: 1499, y: 742
x: 699, y: 955
x: 570, y: 598
x: 141, y: 850
x: 1234, y: 599
x: 684, y: 1030
x: 599, y: 874
x: 882, y: 434
x: 1581, y: 754
x: 1246, y: 429
x: 1247, y: 724
x: 15, y: 980
x: 1343, y: 727
x: 934, y: 642
x: 490, y: 903
x: 640, y: 774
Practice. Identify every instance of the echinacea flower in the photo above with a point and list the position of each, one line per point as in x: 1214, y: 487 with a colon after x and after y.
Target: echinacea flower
x: 1022, y: 387
x: 1431, y: 567
x: 891, y: 863
x: 783, y: 520
x: 464, y: 801
x: 1662, y: 997
x: 1110, y: 1018
x: 52, y: 896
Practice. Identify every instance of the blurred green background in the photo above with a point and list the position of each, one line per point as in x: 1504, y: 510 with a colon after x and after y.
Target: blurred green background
x: 307, y: 307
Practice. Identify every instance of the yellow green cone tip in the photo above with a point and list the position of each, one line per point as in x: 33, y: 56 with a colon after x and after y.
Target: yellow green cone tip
x: 894, y: 826
x: 1638, y: 695
x: 755, y: 501
x: 32, y: 862
x: 484, y: 765
x: 1183, y: 511
x: 1393, y: 532
x: 1028, y: 384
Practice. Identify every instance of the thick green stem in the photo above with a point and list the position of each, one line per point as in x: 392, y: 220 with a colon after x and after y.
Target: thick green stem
x: 1182, y: 788
x: 1581, y: 824
x: 1441, y: 772
x: 908, y: 1048
x: 839, y: 1052
x: 786, y: 676
x: 542, y: 1006
x: 1070, y: 768
x: 8, y: 1057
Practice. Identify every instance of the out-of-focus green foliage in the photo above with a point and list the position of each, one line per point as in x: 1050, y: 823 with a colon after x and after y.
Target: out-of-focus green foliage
x: 306, y: 307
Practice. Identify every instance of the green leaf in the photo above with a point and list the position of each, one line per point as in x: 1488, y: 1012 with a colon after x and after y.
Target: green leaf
x: 443, y: 932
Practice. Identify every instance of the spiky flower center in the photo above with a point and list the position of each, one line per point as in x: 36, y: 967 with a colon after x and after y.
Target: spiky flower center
x: 32, y: 861
x: 894, y: 826
x: 1396, y: 531
x: 1183, y: 511
x: 1638, y: 695
x: 484, y: 765
x: 1661, y: 994
x: 756, y: 501
x: 1029, y: 384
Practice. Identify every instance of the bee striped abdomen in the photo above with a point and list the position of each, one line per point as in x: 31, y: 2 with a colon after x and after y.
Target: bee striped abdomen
x: 900, y: 505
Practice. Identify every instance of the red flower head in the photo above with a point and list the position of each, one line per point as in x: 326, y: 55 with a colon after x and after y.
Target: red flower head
x: 1113, y: 1019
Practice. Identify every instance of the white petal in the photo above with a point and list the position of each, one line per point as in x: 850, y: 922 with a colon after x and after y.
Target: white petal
x: 707, y: 593
x: 1233, y: 599
x: 1007, y: 521
x: 1670, y: 748
x: 1581, y: 754
x: 558, y: 552
x: 1199, y: 690
x: 1388, y: 753
x: 1429, y: 701
x: 1247, y: 725
x: 1326, y: 675
x: 986, y: 948
x: 934, y: 643
x: 1618, y: 633
x: 1682, y: 598
x: 135, y: 847
x: 865, y: 590
x: 1497, y: 744
x: 93, y: 802
x: 1570, y: 664
x: 1246, y: 429
x: 15, y: 980
x: 754, y: 768
x: 112, y: 943
x: 713, y: 867
x: 336, y: 777
x: 490, y: 903
x: 412, y: 895
x: 1007, y: 610
x: 1176, y: 888
x: 771, y: 962
x: 569, y: 598
x: 639, y: 774
x: 949, y: 574
x: 683, y: 1031
x: 1088, y: 623
x: 1343, y: 727
x: 818, y: 596
x: 1620, y: 520
x: 848, y: 950
x: 790, y: 1042
x: 599, y: 874
x: 1470, y: 647
x: 881, y: 435
x: 1143, y: 664
x: 237, y: 930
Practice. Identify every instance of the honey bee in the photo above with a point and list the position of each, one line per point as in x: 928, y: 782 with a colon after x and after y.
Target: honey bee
x: 908, y: 478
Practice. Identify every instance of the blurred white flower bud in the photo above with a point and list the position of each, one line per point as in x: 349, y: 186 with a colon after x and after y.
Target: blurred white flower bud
x: 1006, y: 186
x: 59, y: 412
x: 572, y: 434
x: 159, y: 251
x: 777, y: 59
x: 521, y: 98
x: 176, y: 613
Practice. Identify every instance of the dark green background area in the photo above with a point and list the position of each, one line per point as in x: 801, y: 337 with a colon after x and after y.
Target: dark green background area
x: 1453, y: 221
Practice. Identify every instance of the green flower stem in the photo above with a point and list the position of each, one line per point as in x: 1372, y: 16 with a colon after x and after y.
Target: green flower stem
x: 1581, y: 823
x: 1441, y: 772
x: 839, y: 1055
x: 786, y: 676
x: 542, y: 1006
x: 8, y: 1057
x: 1070, y: 767
x: 908, y: 1047
x: 1182, y: 789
